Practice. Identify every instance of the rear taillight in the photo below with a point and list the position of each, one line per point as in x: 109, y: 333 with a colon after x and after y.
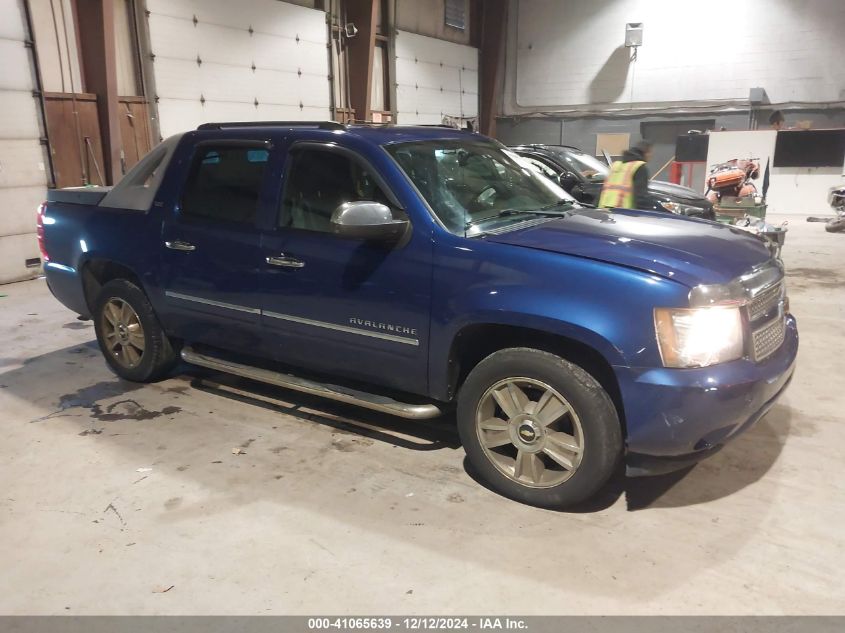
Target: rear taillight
x: 39, y: 230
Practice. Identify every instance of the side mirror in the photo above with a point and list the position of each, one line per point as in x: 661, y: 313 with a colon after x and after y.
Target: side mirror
x: 568, y: 180
x: 366, y: 220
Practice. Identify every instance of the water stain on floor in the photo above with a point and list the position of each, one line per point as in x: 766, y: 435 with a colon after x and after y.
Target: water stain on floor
x: 122, y: 410
x: 129, y: 410
x: 808, y: 277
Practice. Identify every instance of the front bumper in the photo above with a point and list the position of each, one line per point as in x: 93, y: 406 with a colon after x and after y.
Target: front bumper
x: 676, y: 417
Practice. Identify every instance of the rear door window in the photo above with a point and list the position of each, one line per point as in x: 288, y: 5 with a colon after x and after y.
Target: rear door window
x: 224, y: 183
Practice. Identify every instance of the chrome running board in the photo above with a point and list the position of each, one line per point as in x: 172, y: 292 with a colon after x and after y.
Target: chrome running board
x: 331, y: 392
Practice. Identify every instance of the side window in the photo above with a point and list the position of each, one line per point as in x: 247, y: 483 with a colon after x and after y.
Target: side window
x: 224, y: 183
x: 540, y: 166
x: 317, y: 183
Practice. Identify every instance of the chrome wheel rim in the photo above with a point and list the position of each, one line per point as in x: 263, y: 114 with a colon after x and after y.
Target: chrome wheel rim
x: 123, y: 333
x: 530, y: 432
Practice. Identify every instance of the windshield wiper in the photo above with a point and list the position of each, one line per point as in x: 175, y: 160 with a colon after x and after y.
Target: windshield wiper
x: 563, y: 205
x: 501, y: 214
x: 555, y: 209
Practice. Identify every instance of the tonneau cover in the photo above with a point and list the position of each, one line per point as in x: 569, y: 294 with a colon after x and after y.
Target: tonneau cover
x: 78, y: 195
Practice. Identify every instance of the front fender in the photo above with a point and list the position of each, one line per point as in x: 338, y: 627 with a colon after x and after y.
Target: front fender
x: 606, y: 307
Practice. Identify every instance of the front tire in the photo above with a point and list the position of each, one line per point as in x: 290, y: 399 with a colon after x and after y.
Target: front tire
x: 538, y: 429
x: 129, y: 334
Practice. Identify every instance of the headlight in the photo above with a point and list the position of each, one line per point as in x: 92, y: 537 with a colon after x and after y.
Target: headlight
x: 698, y: 337
x: 680, y: 209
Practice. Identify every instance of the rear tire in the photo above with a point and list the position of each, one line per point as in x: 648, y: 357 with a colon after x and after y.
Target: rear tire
x: 538, y: 429
x: 129, y: 334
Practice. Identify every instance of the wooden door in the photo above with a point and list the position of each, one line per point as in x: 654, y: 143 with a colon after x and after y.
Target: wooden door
x: 75, y: 143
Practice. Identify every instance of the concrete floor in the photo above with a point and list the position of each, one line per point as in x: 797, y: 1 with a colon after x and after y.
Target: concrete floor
x: 113, y: 492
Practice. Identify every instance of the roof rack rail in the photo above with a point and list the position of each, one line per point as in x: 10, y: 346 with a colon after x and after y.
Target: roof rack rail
x: 323, y: 125
x: 394, y: 124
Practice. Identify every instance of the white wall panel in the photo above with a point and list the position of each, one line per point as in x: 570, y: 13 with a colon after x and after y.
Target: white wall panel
x: 282, y: 64
x: 23, y: 175
x: 14, y: 251
x: 25, y: 202
x: 177, y: 115
x: 265, y: 16
x: 177, y: 79
x: 802, y: 190
x: 434, y: 78
x: 21, y: 163
x: 17, y: 73
x: 572, y: 53
x: 19, y: 114
x: 12, y: 24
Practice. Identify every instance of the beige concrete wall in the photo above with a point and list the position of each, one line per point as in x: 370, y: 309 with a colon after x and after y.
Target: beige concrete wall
x: 427, y: 17
x: 55, y: 37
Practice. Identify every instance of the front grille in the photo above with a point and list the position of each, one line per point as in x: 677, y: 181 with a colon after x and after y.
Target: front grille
x: 765, y: 302
x: 768, y: 338
x: 767, y: 320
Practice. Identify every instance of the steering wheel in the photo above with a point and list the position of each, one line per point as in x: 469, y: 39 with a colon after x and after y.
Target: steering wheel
x: 485, y: 198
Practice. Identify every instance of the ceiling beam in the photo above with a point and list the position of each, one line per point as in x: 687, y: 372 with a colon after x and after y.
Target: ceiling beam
x: 95, y: 26
x: 360, y: 50
x: 494, y: 17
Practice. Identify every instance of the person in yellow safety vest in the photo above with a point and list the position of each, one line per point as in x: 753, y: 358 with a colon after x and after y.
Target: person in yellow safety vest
x: 626, y: 186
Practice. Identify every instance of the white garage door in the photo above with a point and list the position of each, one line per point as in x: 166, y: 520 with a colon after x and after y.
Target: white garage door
x: 434, y: 79
x: 252, y: 60
x: 23, y: 177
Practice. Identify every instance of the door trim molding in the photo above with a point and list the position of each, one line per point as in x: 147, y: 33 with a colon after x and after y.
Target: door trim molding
x: 211, y: 302
x: 342, y: 328
x: 404, y: 340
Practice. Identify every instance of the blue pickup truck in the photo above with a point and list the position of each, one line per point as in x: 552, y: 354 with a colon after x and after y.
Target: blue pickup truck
x: 416, y: 270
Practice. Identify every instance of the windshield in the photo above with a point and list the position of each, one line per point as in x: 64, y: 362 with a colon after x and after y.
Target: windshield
x: 588, y: 166
x: 468, y: 184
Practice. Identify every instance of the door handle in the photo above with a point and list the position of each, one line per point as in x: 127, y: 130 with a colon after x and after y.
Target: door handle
x: 285, y: 261
x: 178, y: 245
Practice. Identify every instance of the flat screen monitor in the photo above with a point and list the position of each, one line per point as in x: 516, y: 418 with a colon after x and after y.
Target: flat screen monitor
x: 810, y: 148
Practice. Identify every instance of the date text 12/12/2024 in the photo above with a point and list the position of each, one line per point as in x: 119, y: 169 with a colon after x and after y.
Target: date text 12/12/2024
x: 417, y: 623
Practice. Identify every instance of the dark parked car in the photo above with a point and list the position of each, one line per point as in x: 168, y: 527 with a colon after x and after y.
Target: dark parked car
x: 583, y: 175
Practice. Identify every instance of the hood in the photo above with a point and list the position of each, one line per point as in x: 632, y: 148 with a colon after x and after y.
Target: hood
x: 686, y: 250
x: 667, y: 189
